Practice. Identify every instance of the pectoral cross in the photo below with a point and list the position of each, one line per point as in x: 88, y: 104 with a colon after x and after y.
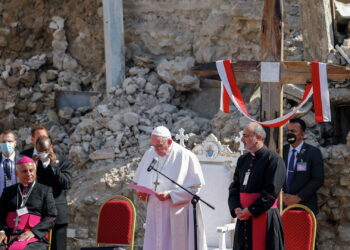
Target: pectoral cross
x: 16, y: 220
x: 156, y: 184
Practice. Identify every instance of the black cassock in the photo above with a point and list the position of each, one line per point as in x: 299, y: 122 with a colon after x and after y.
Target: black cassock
x: 40, y: 203
x: 267, y: 175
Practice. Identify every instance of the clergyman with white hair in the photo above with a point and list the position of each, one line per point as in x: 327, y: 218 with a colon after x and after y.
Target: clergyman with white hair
x: 27, y: 210
x: 169, y: 221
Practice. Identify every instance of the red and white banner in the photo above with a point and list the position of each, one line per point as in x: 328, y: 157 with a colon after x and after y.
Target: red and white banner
x: 230, y: 90
x: 322, y: 104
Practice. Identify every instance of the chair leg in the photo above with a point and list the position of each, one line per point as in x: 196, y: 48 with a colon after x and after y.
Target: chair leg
x: 222, y: 241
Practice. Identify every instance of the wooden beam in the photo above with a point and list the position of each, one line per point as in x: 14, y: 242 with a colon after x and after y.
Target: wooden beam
x: 271, y: 41
x: 290, y: 72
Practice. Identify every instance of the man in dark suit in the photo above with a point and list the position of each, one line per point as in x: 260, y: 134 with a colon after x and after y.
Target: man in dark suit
x: 54, y: 172
x: 8, y: 159
x: 27, y: 210
x: 304, y: 168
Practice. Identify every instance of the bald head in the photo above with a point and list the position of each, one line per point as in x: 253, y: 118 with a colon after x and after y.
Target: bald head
x: 43, y: 144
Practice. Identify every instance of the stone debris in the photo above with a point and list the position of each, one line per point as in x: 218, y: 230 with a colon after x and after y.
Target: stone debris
x: 106, y: 140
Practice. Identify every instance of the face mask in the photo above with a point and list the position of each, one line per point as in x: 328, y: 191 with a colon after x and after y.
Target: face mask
x: 7, y: 148
x: 43, y: 156
x: 291, y: 138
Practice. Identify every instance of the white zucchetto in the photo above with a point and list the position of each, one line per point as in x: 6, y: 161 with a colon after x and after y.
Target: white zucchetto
x: 162, y: 132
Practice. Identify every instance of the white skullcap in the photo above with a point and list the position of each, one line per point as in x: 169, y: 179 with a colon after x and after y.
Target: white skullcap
x: 162, y: 132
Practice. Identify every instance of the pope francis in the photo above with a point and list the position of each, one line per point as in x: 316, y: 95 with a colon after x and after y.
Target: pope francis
x: 169, y: 221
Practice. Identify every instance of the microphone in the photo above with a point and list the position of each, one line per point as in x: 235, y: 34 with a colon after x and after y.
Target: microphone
x: 151, y: 166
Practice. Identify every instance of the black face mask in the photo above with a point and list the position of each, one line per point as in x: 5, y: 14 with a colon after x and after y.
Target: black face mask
x: 291, y: 138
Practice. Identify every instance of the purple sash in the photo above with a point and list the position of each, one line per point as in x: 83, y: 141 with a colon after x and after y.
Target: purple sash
x: 26, y: 222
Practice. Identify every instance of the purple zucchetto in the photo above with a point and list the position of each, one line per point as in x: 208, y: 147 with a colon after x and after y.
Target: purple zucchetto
x: 24, y: 159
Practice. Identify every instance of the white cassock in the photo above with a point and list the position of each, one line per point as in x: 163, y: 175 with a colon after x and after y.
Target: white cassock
x: 169, y: 224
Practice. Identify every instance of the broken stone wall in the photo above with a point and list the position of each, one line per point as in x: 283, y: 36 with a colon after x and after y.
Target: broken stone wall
x: 49, y: 46
x: 206, y: 30
x: 25, y: 31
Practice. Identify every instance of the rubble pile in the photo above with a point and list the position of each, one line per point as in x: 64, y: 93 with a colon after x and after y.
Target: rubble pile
x: 106, y: 139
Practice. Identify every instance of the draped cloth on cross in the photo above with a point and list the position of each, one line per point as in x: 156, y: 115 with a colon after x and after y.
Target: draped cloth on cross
x: 319, y: 89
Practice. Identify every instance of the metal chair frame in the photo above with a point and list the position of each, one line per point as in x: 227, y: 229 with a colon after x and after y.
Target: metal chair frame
x: 50, y: 239
x: 314, y: 222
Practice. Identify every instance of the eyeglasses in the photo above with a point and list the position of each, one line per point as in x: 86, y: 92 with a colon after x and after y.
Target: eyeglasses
x: 158, y: 146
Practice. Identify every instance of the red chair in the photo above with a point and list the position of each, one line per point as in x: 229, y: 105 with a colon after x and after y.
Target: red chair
x: 299, y: 227
x: 48, y: 236
x: 116, y: 223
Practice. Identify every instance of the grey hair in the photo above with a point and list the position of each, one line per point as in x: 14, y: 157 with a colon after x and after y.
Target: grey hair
x: 259, y: 130
x: 18, y: 166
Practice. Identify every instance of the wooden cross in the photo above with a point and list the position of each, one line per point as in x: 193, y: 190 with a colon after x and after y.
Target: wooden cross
x: 181, y: 137
x: 290, y: 72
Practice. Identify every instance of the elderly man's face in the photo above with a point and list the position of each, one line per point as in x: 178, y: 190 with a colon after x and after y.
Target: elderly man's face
x: 26, y: 173
x: 249, y: 138
x: 161, y: 145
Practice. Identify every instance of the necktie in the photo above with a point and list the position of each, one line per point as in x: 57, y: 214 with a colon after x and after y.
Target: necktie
x: 290, y: 170
x: 7, y: 168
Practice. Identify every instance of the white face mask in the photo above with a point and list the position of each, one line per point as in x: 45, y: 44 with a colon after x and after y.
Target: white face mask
x: 7, y: 148
x: 43, y: 156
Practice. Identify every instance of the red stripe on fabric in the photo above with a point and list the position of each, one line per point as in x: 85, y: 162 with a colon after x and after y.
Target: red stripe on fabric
x: 277, y: 124
x: 225, y: 101
x: 234, y: 87
x: 282, y: 122
x: 306, y: 92
x: 238, y: 100
x: 317, y: 91
x: 258, y: 223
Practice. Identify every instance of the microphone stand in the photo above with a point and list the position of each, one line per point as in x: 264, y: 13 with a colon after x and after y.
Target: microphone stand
x: 194, y: 201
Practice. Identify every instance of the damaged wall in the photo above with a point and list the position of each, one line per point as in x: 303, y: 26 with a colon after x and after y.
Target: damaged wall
x: 48, y: 46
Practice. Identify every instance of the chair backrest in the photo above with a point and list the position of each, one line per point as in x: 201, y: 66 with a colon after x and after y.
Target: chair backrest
x: 116, y: 222
x: 299, y: 227
x: 218, y: 163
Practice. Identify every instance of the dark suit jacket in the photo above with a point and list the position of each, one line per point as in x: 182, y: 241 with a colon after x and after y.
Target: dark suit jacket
x: 40, y: 202
x: 306, y: 183
x: 58, y: 177
x: 17, y: 157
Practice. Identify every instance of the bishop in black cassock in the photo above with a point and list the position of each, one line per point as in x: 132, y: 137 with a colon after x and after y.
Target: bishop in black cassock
x: 33, y: 225
x: 253, y: 194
